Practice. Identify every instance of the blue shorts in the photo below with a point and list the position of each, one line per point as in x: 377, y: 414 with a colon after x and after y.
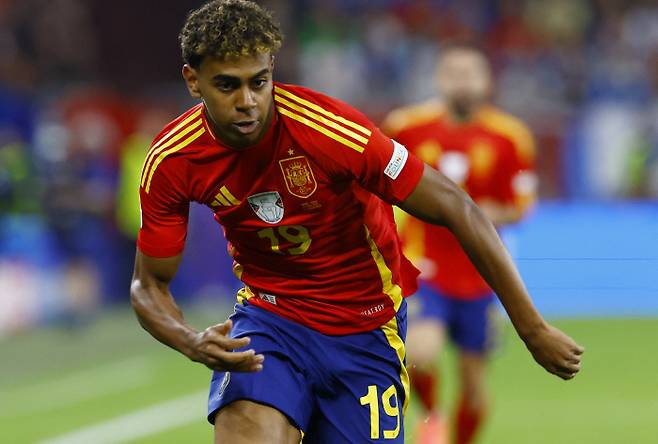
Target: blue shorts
x: 471, y: 324
x: 335, y: 389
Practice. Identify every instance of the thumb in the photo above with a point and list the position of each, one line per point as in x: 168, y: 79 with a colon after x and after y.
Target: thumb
x: 224, y: 328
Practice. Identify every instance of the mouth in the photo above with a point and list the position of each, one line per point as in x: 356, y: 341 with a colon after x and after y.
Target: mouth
x: 246, y: 126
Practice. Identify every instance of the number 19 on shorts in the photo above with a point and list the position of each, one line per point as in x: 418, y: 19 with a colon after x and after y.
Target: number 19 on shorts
x: 371, y: 400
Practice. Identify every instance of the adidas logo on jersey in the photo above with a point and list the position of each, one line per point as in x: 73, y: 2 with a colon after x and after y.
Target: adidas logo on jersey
x: 225, y: 199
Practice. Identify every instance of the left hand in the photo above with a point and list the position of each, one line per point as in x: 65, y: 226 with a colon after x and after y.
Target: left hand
x: 555, y: 351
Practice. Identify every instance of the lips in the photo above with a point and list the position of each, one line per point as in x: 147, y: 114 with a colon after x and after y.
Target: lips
x: 246, y: 126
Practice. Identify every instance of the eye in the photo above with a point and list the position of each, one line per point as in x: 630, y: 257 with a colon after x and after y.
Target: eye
x: 225, y: 86
x: 259, y: 83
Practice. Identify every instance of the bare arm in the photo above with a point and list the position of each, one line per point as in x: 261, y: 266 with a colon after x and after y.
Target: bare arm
x: 439, y: 201
x: 162, y: 318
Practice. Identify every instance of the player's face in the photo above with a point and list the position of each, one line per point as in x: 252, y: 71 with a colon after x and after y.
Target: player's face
x: 464, y: 79
x: 237, y: 93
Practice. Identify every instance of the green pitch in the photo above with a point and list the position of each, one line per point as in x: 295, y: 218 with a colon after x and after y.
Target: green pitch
x: 110, y: 379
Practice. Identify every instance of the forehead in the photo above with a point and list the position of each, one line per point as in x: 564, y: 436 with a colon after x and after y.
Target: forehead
x: 463, y: 57
x: 239, y: 66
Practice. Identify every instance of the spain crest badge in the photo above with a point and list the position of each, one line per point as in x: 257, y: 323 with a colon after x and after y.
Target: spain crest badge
x: 299, y: 177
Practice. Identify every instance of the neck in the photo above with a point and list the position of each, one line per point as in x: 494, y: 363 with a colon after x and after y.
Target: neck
x: 212, y: 126
x: 462, y: 114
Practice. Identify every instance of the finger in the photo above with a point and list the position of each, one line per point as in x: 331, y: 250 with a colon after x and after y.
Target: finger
x: 219, y: 334
x: 252, y: 365
x: 566, y: 375
x: 212, y: 353
x: 227, y: 343
x: 557, y: 371
x: 574, y: 368
x: 248, y: 368
x: 569, y: 368
x: 574, y: 359
x: 579, y: 350
x: 229, y: 357
x: 231, y: 344
x: 217, y: 353
x: 232, y: 360
x: 566, y: 371
x: 223, y: 329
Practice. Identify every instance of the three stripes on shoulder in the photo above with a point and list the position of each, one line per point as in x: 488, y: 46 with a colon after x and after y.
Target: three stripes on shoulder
x: 171, y: 143
x: 349, y: 133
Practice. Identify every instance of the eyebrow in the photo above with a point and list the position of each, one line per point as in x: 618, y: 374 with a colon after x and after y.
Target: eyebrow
x: 226, y: 77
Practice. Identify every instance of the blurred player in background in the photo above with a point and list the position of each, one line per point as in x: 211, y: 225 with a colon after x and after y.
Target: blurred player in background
x: 489, y: 154
x: 298, y: 181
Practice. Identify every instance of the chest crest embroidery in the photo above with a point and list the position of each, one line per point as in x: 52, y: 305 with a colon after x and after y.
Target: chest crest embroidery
x: 298, y: 176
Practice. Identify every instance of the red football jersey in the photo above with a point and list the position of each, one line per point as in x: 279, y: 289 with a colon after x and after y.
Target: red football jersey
x: 301, y: 210
x: 491, y: 157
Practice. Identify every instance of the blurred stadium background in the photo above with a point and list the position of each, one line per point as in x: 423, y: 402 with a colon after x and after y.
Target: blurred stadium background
x: 85, y: 85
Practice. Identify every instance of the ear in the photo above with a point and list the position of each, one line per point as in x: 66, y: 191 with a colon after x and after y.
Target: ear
x: 192, y: 81
x: 272, y: 63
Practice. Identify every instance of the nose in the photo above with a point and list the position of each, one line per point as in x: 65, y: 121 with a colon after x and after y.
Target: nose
x: 245, y: 99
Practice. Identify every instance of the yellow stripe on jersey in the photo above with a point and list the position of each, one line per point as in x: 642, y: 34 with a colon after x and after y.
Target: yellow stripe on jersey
x: 164, y: 154
x: 187, y: 120
x: 319, y: 118
x: 319, y: 128
x: 391, y: 331
x: 318, y: 108
x: 220, y: 200
x: 159, y: 149
x: 411, y: 116
x: 230, y: 197
x: 392, y: 290
x: 169, y: 134
x: 510, y: 127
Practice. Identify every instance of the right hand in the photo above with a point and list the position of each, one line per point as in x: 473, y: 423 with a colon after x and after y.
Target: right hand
x: 214, y: 348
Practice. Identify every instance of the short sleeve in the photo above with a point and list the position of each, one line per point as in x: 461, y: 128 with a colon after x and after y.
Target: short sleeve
x: 164, y: 217
x: 382, y: 166
x: 387, y: 169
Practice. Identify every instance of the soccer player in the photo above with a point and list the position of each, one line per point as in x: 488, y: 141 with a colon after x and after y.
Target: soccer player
x: 302, y: 185
x: 490, y: 155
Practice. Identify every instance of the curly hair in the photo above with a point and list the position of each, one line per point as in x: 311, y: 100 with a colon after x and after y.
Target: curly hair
x: 228, y: 28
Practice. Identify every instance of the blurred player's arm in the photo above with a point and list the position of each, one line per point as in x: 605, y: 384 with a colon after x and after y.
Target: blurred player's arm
x: 163, y: 319
x: 500, y: 213
x: 439, y: 201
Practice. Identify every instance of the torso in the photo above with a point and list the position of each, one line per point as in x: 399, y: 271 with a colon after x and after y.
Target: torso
x: 309, y: 244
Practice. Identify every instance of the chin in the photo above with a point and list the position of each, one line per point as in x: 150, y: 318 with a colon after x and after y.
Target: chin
x: 463, y: 106
x: 244, y: 141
